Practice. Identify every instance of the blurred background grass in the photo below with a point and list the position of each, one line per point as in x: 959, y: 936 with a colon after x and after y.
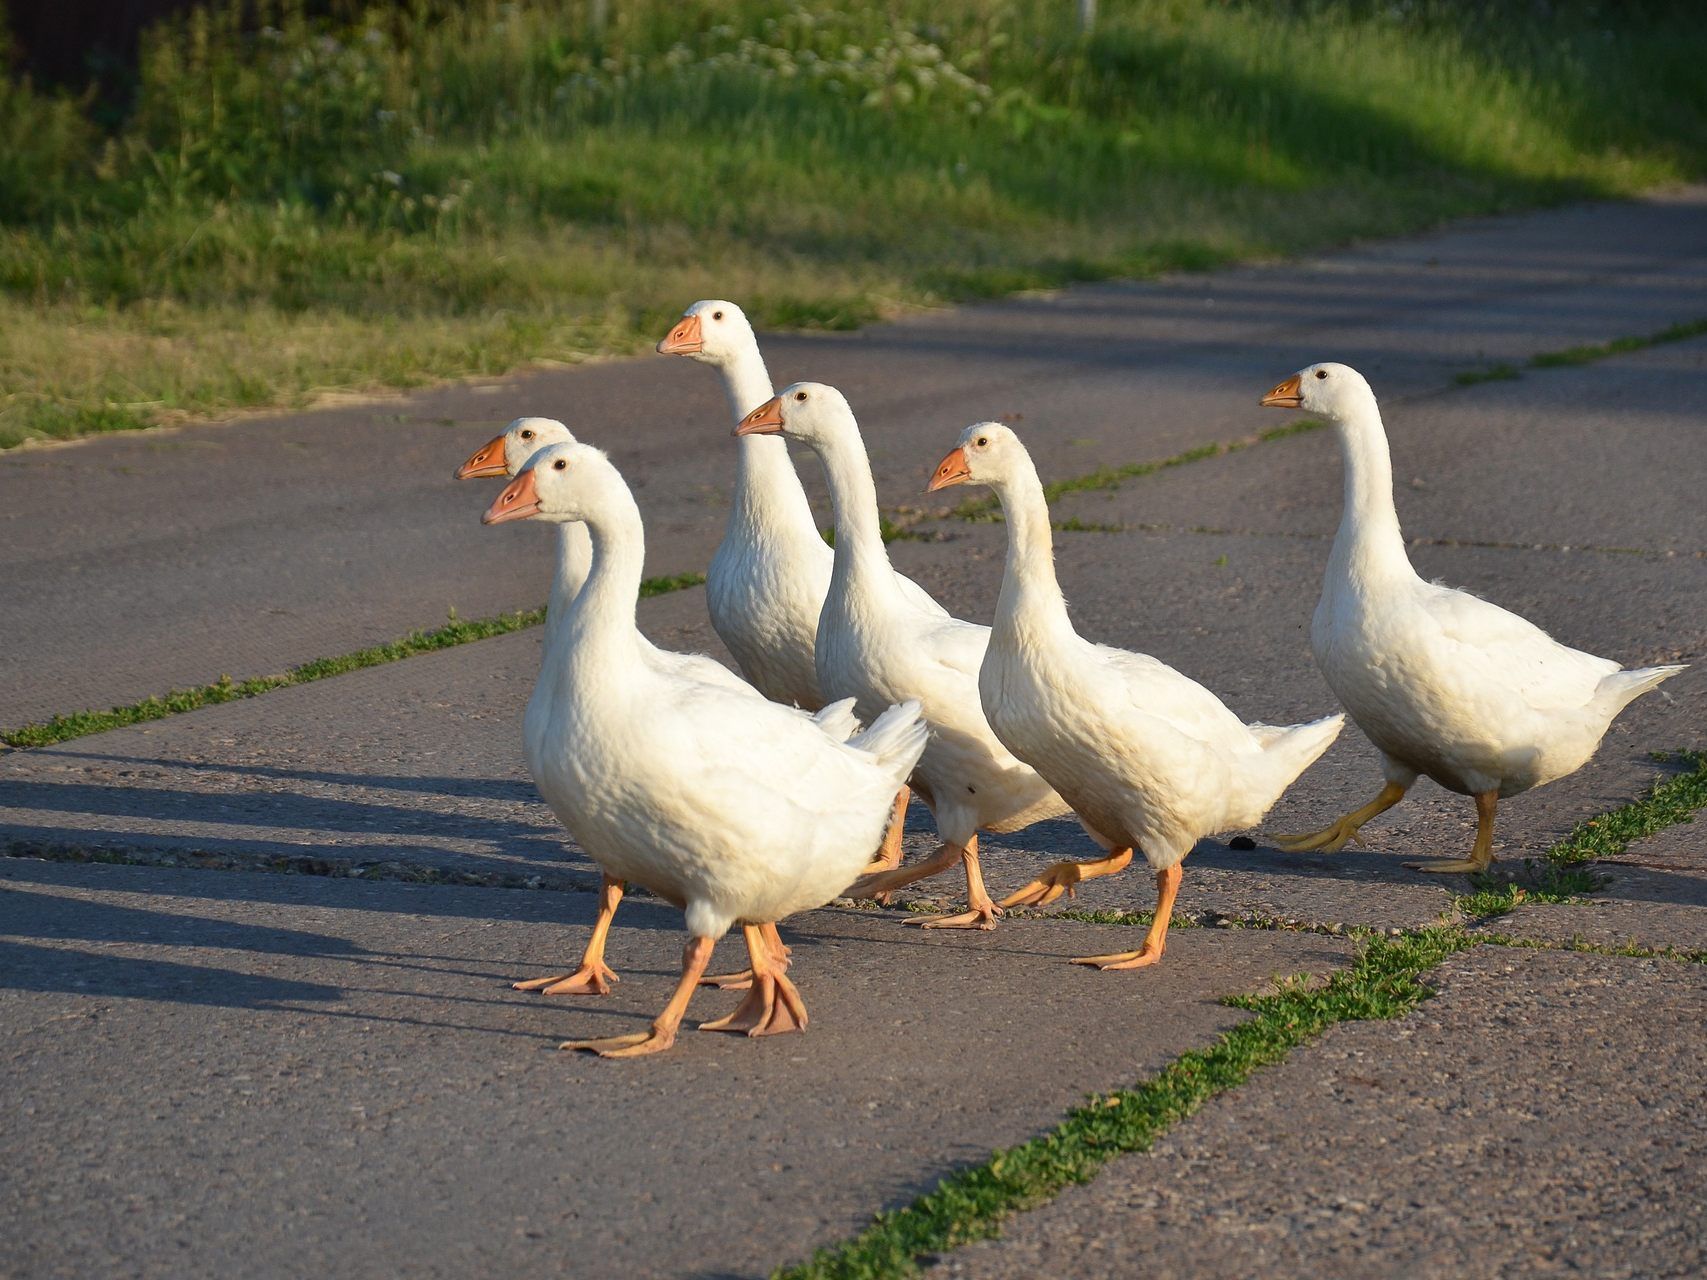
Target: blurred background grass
x: 273, y: 204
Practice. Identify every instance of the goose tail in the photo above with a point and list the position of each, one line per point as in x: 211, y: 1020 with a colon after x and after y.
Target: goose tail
x: 896, y: 738
x: 1621, y: 688
x: 837, y: 720
x: 1288, y: 750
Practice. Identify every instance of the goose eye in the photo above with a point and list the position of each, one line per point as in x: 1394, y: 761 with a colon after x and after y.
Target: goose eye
x: 1321, y: 373
x: 527, y: 435
x: 983, y: 440
x: 560, y: 465
x: 717, y: 315
x: 800, y: 395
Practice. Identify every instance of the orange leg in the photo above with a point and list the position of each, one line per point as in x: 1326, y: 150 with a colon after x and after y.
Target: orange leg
x: 946, y: 855
x: 773, y: 1006
x: 594, y: 977
x: 982, y: 913
x: 664, y: 1027
x: 744, y: 979
x: 1156, y: 941
x: 1065, y: 877
x: 1342, y: 831
x: 889, y: 852
x: 1482, y: 853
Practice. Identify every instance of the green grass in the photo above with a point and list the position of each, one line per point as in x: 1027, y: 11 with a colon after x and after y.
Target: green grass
x: 1573, y: 356
x: 1492, y: 373
x: 435, y: 191
x: 80, y: 724
x: 1668, y: 802
x: 1632, y: 950
x: 1384, y: 981
x: 1617, y: 347
x: 1562, y: 876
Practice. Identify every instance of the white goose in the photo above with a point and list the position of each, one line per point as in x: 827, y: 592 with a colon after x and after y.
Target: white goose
x: 736, y: 809
x: 1445, y: 684
x: 506, y: 454
x: 1148, y: 759
x: 877, y: 644
x: 767, y: 580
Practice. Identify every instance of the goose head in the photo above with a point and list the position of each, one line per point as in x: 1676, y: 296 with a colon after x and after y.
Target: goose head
x: 506, y: 453
x: 560, y: 483
x: 712, y: 331
x: 1333, y: 391
x: 986, y: 453
x: 809, y: 412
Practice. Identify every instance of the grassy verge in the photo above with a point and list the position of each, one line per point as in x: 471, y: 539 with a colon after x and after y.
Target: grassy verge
x: 1385, y: 981
x: 80, y: 724
x: 431, y: 191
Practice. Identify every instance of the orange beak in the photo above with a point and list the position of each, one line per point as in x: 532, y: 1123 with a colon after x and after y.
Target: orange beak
x: 766, y: 420
x: 518, y: 501
x: 684, y: 339
x: 487, y: 460
x: 1288, y: 395
x: 951, y: 470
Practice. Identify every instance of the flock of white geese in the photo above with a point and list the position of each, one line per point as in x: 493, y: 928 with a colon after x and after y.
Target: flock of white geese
x: 744, y: 801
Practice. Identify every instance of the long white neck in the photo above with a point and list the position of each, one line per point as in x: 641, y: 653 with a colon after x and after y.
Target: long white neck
x: 1369, y: 545
x: 1030, y: 605
x: 767, y: 490
x: 601, y: 638
x: 862, y: 561
x: 747, y: 383
x: 573, y: 556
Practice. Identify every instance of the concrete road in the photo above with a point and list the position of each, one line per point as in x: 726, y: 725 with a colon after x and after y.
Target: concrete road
x: 415, y: 767
x: 1544, y: 1115
x: 220, y: 1072
x: 134, y: 564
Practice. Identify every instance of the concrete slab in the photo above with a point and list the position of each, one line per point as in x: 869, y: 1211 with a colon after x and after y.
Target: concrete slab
x: 133, y: 564
x: 1607, y: 456
x: 241, y: 1075
x: 1542, y: 1116
x: 417, y: 765
x: 406, y: 769
x: 1655, y: 896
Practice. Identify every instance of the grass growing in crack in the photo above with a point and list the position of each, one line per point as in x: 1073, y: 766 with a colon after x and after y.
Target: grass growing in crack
x: 989, y: 509
x: 1618, y: 346
x: 1587, y: 354
x: 1668, y: 802
x: 1543, y: 882
x: 1493, y: 373
x: 81, y: 724
x: 650, y: 587
x: 1561, y: 877
x: 1075, y: 525
x: 887, y: 529
x: 1383, y: 982
x: 1582, y: 945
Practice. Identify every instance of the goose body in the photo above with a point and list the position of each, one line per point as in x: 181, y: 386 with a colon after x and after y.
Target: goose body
x: 1444, y: 683
x: 1148, y: 759
x: 729, y: 806
x: 767, y: 580
x: 876, y: 644
x: 507, y: 454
